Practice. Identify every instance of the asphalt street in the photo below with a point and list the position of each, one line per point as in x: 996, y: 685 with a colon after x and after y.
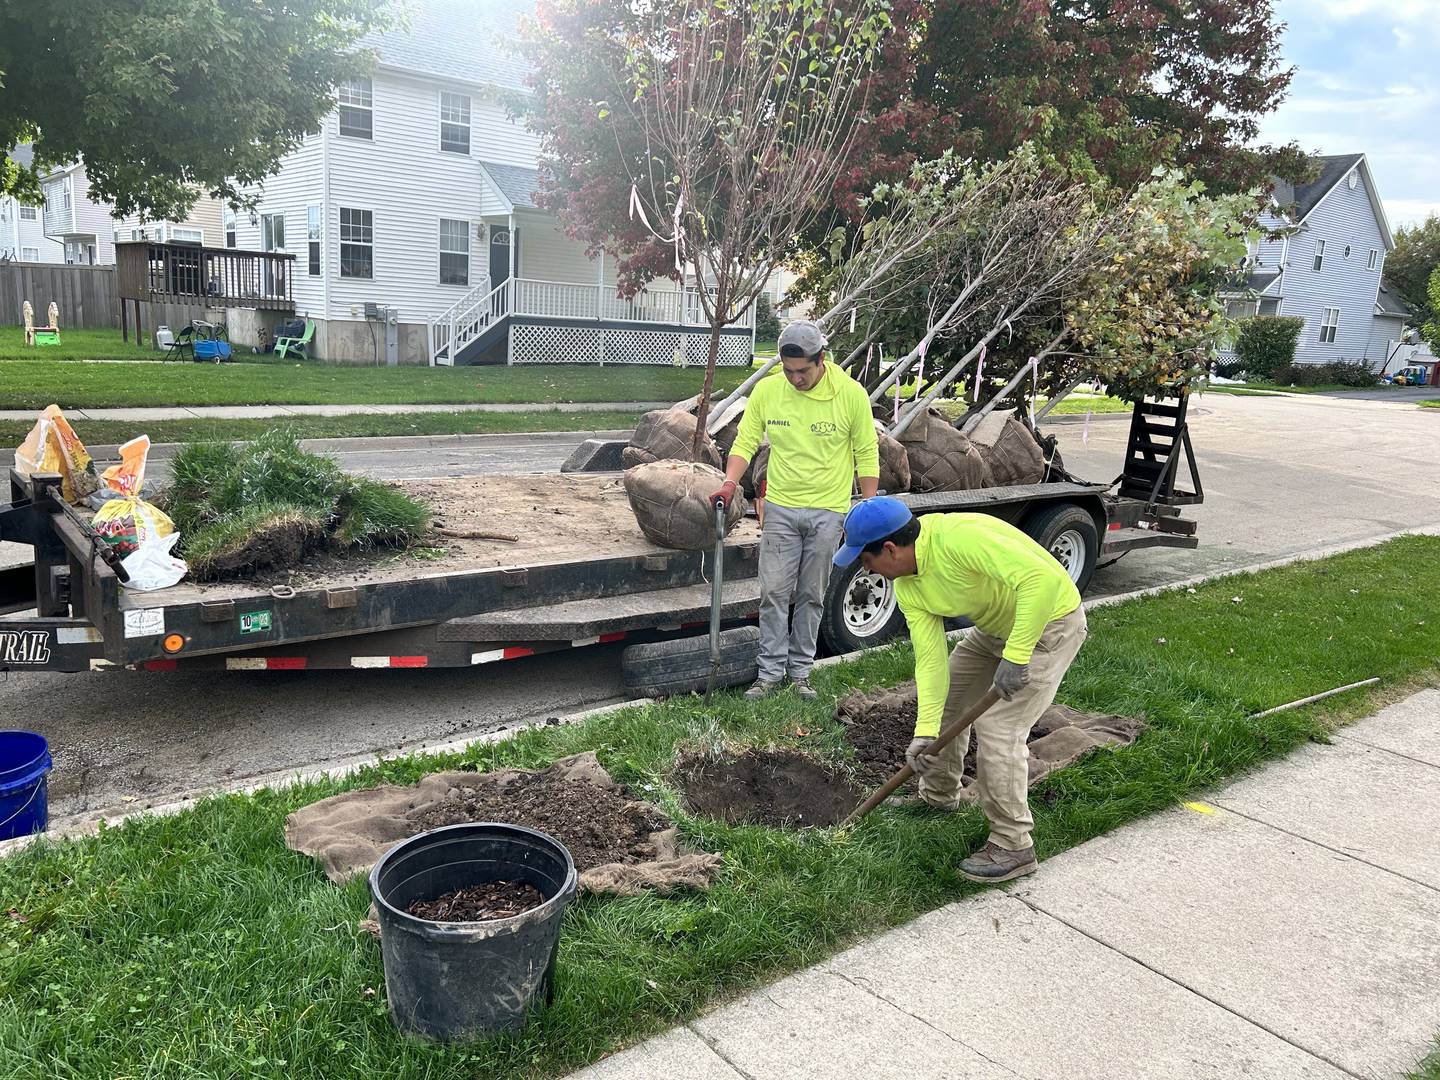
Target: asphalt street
x: 1282, y: 475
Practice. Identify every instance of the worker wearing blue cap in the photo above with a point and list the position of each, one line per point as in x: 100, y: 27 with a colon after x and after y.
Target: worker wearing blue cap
x: 1028, y: 627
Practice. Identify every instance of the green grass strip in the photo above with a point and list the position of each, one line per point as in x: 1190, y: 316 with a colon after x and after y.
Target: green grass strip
x: 197, y: 946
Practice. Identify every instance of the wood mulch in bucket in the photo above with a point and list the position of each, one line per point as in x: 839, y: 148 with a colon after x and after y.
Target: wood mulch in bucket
x: 480, y: 903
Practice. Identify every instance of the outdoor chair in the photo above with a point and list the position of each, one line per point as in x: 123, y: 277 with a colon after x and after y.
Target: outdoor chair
x: 292, y: 346
x: 182, y: 343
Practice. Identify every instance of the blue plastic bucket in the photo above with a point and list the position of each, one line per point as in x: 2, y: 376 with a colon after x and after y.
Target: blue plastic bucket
x: 24, y: 764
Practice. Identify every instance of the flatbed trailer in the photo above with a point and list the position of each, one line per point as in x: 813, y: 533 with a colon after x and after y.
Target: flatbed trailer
x: 580, y: 574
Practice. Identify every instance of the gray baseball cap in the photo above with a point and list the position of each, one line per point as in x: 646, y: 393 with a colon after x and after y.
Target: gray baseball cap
x: 802, y: 339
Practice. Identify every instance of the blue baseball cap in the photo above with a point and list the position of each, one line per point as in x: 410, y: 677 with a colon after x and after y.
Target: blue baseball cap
x: 870, y: 520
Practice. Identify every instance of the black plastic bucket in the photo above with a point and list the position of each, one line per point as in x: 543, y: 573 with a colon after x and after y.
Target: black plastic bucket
x: 464, y: 980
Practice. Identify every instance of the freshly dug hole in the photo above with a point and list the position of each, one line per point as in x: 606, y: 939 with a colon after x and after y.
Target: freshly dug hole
x: 765, y: 787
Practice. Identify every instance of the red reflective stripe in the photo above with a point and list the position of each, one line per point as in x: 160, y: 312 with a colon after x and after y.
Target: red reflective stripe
x: 159, y: 665
x: 409, y: 661
x: 517, y: 651
x: 285, y: 663
x: 616, y: 636
x: 1114, y: 525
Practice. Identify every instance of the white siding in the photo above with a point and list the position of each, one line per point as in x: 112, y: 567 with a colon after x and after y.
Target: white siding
x: 207, y: 215
x: 1344, y: 216
x: 16, y: 234
x: 94, y: 218
x: 1384, y: 332
x: 547, y: 254
x: 299, y: 183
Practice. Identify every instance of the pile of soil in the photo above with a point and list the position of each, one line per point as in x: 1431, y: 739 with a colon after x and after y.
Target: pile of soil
x: 480, y: 903
x: 766, y: 787
x: 598, y: 825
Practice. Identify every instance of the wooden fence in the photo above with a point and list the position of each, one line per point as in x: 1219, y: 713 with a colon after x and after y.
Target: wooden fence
x: 88, y: 297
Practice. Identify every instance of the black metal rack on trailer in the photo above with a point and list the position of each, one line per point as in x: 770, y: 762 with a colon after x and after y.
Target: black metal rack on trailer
x: 67, y: 610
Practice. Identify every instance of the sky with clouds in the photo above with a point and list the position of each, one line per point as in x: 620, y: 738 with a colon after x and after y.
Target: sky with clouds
x: 1367, y: 80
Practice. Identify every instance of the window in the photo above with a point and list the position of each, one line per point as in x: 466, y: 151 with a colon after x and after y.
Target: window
x: 28, y: 213
x: 229, y: 227
x: 1352, y: 179
x: 357, y: 114
x: 1319, y: 254
x: 1329, y: 324
x: 272, y: 232
x: 357, y: 243
x: 29, y: 254
x: 1347, y: 251
x: 454, y: 122
x: 313, y: 239
x: 454, y: 252
x: 179, y: 234
x: 1374, y: 259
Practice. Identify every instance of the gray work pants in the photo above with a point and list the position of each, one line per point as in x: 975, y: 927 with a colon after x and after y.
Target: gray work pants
x: 796, y: 549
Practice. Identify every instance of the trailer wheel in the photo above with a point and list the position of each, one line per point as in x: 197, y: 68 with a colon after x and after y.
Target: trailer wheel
x: 860, y: 611
x: 682, y: 665
x: 1068, y: 533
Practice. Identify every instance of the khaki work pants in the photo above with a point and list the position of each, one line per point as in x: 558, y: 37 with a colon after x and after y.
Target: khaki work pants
x: 1002, y: 759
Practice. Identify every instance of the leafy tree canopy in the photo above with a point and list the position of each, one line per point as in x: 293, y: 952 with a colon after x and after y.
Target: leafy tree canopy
x: 164, y: 99
x: 1409, y: 267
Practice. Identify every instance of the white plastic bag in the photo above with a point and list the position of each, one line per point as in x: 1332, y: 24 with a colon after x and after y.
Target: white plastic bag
x: 143, y: 534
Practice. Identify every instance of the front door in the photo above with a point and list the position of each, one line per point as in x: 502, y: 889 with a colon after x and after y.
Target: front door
x: 500, y: 244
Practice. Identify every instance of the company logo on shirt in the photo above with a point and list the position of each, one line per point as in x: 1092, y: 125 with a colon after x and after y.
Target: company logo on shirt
x: 823, y: 427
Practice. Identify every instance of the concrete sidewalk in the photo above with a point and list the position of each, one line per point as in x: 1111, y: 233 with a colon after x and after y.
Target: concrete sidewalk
x: 1288, y: 926
x: 265, y: 412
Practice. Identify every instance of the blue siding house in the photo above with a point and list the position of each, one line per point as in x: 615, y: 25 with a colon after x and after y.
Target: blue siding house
x: 1321, y: 258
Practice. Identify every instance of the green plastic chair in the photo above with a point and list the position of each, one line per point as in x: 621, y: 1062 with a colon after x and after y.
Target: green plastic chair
x: 289, y: 346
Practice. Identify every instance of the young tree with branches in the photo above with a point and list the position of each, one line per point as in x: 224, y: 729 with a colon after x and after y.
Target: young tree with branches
x: 720, y: 127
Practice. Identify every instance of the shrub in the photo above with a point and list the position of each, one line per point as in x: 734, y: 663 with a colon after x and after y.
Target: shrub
x: 1341, y: 373
x: 1266, y: 343
x: 767, y: 323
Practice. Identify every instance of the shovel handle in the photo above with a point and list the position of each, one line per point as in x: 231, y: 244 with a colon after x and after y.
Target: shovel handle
x: 937, y: 744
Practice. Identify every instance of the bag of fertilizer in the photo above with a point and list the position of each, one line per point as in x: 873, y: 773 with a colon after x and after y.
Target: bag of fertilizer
x: 142, y: 534
x: 53, y: 447
x: 671, y: 502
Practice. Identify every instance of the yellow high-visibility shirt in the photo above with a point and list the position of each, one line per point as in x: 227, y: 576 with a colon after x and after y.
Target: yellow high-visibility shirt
x: 990, y: 572
x: 820, y: 439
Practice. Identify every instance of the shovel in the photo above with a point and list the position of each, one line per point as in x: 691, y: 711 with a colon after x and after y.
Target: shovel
x: 716, y: 584
x: 940, y: 742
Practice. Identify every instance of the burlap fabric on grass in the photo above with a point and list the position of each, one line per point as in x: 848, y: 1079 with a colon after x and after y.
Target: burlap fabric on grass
x: 1009, y: 450
x: 880, y: 724
x: 671, y: 501
x: 665, y: 435
x: 347, y: 833
x: 941, y: 459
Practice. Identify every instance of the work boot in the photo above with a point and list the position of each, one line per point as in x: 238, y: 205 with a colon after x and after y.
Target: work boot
x: 993, y: 863
x: 762, y: 688
x: 804, y: 689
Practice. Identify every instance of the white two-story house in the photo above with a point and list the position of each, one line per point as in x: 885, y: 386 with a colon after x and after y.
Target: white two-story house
x: 417, y: 197
x: 1322, y: 259
x: 22, y: 233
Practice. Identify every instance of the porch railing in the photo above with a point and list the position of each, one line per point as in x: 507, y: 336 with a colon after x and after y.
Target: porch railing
x: 221, y: 277
x: 567, y: 300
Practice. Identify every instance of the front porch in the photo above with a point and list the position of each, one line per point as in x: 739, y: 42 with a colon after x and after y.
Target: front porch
x: 529, y: 321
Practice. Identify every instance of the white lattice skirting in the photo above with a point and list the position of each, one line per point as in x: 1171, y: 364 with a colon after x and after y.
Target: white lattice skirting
x: 595, y: 345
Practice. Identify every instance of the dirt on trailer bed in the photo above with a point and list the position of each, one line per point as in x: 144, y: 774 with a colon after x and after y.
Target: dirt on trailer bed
x: 557, y: 517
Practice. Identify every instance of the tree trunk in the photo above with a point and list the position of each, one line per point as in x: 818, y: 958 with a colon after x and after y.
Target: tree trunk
x: 702, y: 412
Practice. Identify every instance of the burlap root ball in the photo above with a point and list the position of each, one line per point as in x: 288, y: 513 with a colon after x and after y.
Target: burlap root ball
x: 670, y: 500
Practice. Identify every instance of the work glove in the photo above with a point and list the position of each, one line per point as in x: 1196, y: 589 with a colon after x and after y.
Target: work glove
x: 725, y: 495
x: 1011, y: 678
x: 917, y: 759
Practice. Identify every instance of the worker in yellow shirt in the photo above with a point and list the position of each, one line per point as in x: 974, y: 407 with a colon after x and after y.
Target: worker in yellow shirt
x: 822, y: 436
x: 1029, y: 626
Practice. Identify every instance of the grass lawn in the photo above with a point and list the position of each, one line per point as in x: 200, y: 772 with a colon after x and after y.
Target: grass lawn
x: 114, y: 432
x: 1429, y: 1069
x: 74, y: 345
x: 1433, y: 403
x: 1069, y: 406
x: 1274, y: 388
x: 197, y: 945
x: 33, y: 384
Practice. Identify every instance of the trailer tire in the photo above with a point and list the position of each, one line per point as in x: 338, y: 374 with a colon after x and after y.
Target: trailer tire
x: 860, y: 611
x: 682, y: 665
x: 1068, y: 532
